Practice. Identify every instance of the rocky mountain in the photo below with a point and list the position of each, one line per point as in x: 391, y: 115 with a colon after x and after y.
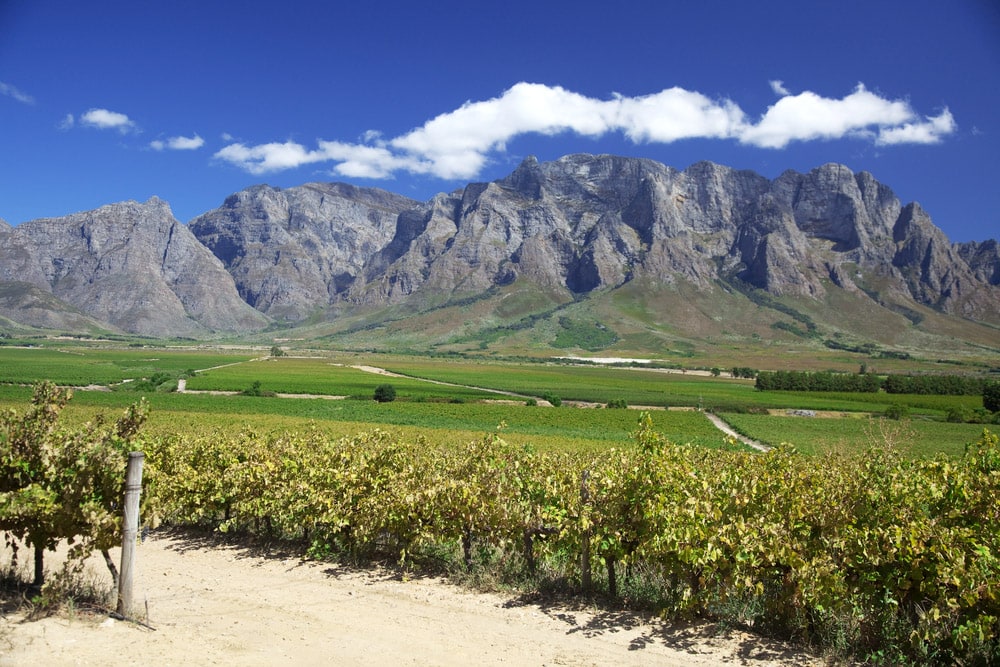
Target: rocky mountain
x: 581, y: 225
x: 131, y: 266
x: 984, y: 260
x: 585, y: 223
x: 291, y: 252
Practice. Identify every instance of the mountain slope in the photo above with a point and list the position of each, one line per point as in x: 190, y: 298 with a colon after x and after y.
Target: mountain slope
x: 554, y: 247
x: 130, y: 265
x: 585, y: 223
x: 291, y: 251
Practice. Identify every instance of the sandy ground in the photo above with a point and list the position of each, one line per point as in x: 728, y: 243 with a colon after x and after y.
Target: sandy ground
x: 210, y: 603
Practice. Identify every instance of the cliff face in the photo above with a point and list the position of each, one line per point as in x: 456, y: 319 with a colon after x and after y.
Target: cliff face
x: 572, y: 226
x: 130, y: 265
x: 983, y: 259
x: 291, y: 251
x: 584, y: 222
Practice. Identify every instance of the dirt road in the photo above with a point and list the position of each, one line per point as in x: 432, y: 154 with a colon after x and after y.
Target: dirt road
x: 212, y: 603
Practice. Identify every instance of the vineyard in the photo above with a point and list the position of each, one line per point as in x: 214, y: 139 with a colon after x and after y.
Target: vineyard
x: 876, y: 556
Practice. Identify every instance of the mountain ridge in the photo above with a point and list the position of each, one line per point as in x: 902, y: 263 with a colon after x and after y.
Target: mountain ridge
x: 572, y: 228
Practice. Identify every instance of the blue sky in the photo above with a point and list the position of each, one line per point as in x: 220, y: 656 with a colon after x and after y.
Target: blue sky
x: 191, y: 101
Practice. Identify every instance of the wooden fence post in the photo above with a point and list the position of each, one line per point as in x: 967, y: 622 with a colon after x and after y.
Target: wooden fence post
x: 130, y: 529
x: 585, y: 575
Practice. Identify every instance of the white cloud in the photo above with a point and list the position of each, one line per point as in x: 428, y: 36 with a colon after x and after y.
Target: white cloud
x: 267, y: 158
x: 808, y: 116
x: 178, y: 143
x: 364, y: 161
x: 929, y: 131
x: 19, y: 95
x: 104, y: 119
x: 458, y: 144
x: 67, y: 122
x: 676, y: 114
x: 778, y: 87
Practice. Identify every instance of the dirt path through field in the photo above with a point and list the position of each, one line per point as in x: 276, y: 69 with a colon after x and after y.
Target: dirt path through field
x: 212, y: 603
x: 728, y: 430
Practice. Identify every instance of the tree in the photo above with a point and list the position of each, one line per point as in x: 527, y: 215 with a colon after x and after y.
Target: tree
x: 385, y: 393
x: 991, y: 396
x: 277, y: 351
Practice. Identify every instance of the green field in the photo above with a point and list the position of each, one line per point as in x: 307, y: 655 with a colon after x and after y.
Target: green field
x: 446, y: 401
x: 79, y: 366
x: 322, y: 377
x: 657, y: 387
x: 596, y: 384
x: 815, y: 435
x: 438, y: 423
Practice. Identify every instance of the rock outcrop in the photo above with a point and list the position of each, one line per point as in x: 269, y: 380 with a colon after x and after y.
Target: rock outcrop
x: 983, y: 259
x: 594, y: 222
x: 130, y: 265
x: 291, y: 251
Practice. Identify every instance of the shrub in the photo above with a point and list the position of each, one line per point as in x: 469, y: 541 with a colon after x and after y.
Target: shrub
x: 873, y: 557
x: 957, y: 415
x: 617, y: 403
x: 991, y: 396
x: 385, y: 393
x: 897, y: 411
x: 58, y: 483
x: 255, y: 390
x: 553, y: 399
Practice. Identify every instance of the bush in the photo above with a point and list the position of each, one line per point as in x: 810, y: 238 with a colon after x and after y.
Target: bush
x: 385, y: 393
x: 991, y: 396
x: 957, y: 415
x: 554, y: 400
x: 897, y: 411
x: 255, y: 390
x: 58, y: 483
x: 617, y: 403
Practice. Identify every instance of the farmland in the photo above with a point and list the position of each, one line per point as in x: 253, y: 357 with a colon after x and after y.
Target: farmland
x: 838, y: 435
x: 450, y: 401
x: 82, y: 365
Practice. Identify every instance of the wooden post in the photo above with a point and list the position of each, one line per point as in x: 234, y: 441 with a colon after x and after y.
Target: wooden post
x: 130, y: 529
x: 585, y: 575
